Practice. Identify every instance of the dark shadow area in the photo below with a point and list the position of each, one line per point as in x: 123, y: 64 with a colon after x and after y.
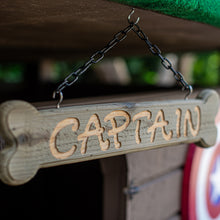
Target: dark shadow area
x: 64, y: 192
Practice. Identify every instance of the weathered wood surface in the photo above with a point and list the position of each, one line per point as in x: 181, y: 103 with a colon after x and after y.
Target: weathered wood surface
x: 138, y: 168
x: 151, y: 167
x: 39, y: 29
x: 147, y: 165
x: 51, y: 137
x: 2, y: 143
x: 159, y: 199
x: 177, y: 217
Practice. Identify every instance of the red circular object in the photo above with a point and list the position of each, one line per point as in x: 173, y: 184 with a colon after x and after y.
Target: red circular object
x: 201, y: 182
x: 189, y: 183
x: 214, y: 209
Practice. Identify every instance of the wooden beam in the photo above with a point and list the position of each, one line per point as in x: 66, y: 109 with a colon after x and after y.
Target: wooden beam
x: 76, y: 29
x: 51, y: 137
x: 114, y: 181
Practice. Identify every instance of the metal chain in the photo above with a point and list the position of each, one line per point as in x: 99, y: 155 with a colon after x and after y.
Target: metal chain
x: 99, y: 55
x: 155, y: 50
x: 95, y: 58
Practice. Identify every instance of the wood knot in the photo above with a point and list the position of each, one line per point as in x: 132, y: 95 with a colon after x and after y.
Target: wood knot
x: 2, y: 143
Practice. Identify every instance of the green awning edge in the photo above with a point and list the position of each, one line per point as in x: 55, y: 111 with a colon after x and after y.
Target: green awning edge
x: 204, y: 11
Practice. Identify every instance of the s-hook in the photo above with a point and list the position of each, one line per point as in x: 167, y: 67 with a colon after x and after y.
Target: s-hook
x: 60, y: 97
x: 129, y: 18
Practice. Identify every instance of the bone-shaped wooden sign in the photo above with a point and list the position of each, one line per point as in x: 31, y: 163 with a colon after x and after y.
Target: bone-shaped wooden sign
x: 43, y: 138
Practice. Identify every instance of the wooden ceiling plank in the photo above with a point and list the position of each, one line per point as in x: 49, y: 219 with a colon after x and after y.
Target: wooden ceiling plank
x: 39, y: 29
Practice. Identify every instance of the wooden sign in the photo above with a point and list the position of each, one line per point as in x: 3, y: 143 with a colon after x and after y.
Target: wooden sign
x: 43, y: 138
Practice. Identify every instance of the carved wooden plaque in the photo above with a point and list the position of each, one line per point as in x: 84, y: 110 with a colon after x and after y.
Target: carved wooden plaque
x: 35, y: 139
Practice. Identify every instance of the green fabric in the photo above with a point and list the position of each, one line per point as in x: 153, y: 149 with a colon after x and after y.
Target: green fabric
x: 205, y: 11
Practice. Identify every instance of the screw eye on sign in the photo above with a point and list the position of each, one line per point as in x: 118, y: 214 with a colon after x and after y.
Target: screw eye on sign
x: 201, y: 183
x: 49, y: 137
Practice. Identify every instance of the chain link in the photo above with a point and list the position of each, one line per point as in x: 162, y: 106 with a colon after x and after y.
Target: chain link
x: 100, y: 54
x: 155, y: 50
x: 95, y: 58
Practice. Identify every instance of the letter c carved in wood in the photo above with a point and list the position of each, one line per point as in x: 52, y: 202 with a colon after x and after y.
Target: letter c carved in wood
x: 53, y: 147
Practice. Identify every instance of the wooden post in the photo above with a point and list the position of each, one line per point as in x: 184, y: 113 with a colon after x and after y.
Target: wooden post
x: 50, y: 137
